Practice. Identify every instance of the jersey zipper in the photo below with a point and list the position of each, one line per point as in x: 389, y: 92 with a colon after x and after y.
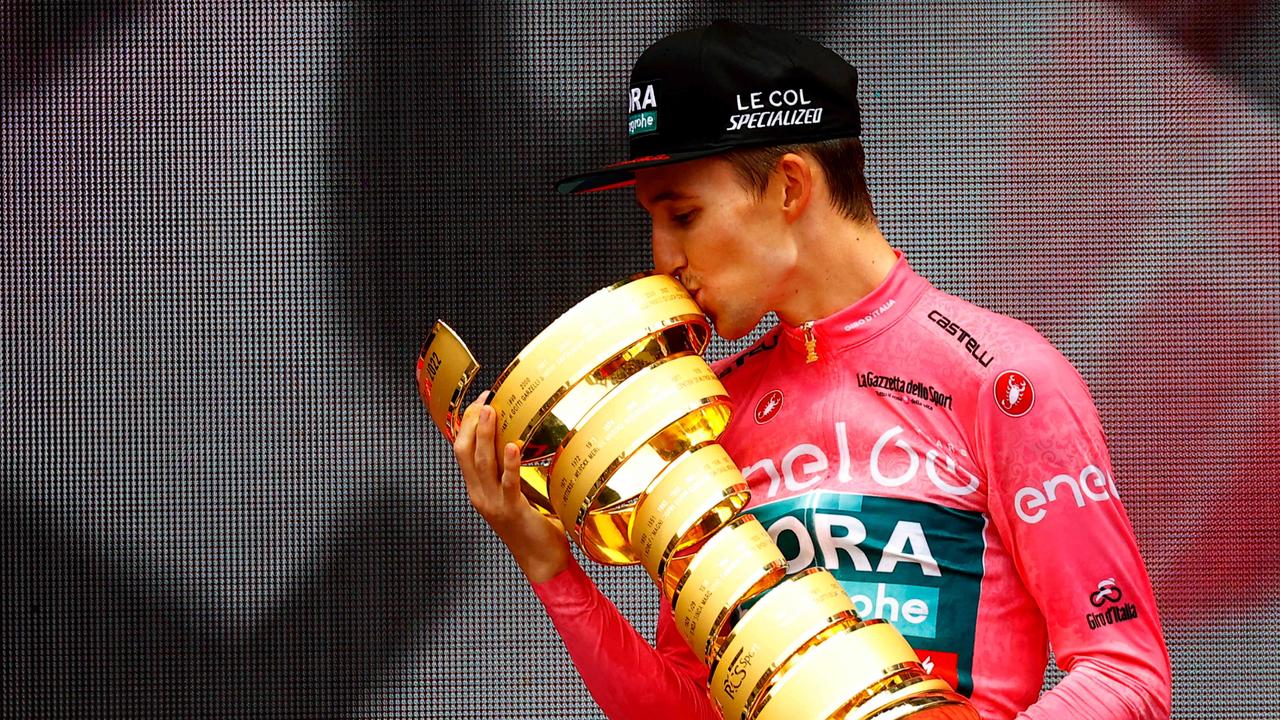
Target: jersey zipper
x: 810, y: 343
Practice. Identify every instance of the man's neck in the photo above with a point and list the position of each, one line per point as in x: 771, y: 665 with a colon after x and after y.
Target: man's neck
x: 840, y: 262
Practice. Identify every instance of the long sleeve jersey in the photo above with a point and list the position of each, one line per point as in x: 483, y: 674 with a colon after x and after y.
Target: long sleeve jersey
x: 948, y: 466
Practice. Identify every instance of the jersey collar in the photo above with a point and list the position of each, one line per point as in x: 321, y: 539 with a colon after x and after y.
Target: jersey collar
x: 866, y: 318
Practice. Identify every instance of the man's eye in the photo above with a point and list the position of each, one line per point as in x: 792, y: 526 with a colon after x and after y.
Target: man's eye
x: 684, y: 218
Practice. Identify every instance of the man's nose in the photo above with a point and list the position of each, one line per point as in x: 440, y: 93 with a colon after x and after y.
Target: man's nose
x: 667, y: 257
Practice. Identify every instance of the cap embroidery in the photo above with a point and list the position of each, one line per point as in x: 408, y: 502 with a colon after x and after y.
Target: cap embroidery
x: 773, y: 109
x: 643, y: 109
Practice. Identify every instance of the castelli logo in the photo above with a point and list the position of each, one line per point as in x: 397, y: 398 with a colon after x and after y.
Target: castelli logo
x: 1014, y: 394
x: 768, y: 406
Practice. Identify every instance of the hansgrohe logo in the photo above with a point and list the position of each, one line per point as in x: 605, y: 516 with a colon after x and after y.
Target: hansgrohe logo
x: 642, y: 122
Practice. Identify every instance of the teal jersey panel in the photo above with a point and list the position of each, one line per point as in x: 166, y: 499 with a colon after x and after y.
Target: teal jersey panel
x: 917, y: 565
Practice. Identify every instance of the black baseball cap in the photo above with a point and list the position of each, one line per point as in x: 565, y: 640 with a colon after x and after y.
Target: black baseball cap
x: 728, y: 85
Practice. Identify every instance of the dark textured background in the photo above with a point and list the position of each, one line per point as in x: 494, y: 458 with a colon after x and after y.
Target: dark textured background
x: 225, y: 228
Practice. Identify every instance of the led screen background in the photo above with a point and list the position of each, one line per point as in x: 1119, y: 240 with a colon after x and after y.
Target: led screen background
x: 226, y: 227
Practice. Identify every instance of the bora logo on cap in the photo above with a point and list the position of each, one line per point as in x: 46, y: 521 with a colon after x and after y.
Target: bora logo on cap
x: 643, y: 109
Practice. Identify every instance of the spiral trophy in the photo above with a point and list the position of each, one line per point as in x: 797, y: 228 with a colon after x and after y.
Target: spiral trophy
x: 617, y: 417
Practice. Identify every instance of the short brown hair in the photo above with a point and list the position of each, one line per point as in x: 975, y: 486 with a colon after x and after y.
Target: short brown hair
x: 841, y: 160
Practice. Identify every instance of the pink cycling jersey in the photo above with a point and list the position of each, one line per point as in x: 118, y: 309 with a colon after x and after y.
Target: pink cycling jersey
x: 948, y: 466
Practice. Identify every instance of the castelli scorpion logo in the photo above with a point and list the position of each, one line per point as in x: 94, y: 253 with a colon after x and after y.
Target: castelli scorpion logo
x: 1014, y: 394
x: 768, y: 406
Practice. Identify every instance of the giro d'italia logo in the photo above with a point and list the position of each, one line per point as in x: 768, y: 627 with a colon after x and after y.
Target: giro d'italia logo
x: 1014, y: 394
x: 768, y: 406
x: 1107, y: 592
x: 1110, y: 595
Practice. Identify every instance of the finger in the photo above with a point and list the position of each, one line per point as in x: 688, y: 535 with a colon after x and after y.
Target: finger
x: 464, y: 442
x: 486, y: 466
x: 511, y: 472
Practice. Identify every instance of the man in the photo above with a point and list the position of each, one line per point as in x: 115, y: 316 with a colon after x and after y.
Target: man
x: 945, y: 463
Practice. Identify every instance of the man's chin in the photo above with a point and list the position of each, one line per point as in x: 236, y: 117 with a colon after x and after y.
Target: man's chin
x: 728, y: 331
x: 736, y: 328
x: 725, y: 327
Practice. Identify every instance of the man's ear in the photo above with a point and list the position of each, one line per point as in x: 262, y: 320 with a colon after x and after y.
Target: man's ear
x: 795, y: 172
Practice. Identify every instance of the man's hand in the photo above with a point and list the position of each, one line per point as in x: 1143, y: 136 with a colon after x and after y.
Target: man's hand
x: 538, y: 544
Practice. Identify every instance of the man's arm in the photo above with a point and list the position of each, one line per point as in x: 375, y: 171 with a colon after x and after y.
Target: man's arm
x: 1053, y: 501
x: 628, y: 678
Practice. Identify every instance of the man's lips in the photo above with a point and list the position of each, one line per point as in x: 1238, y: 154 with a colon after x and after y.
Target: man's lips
x: 695, y: 293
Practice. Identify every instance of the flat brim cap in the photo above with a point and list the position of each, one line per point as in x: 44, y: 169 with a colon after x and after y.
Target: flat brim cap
x: 729, y: 85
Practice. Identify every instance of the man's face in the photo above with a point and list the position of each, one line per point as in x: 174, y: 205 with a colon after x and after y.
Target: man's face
x: 732, y: 250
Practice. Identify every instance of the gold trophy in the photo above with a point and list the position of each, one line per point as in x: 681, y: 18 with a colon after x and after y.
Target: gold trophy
x: 617, y: 415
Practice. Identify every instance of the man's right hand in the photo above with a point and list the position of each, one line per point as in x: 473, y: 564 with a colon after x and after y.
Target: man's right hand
x: 537, y: 543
